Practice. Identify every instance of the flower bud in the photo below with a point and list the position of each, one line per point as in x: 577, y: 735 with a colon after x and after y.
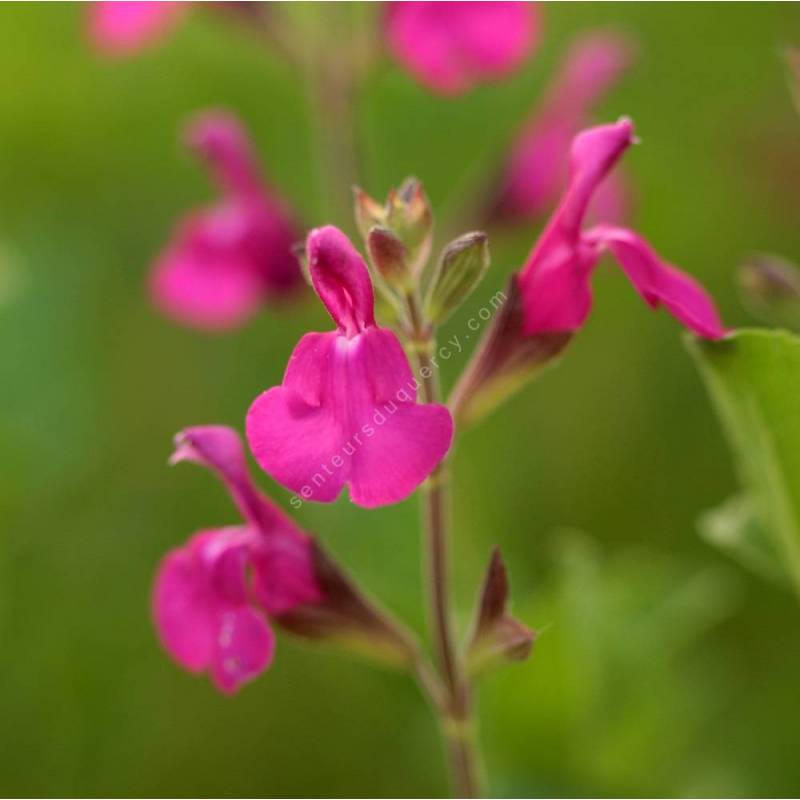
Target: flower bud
x: 409, y: 216
x: 389, y: 257
x: 368, y: 212
x: 505, y: 360
x: 461, y: 268
x: 770, y: 289
x: 496, y: 635
x: 344, y: 616
x: 406, y: 214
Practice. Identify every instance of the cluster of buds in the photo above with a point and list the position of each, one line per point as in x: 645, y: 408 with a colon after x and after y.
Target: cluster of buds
x: 398, y: 236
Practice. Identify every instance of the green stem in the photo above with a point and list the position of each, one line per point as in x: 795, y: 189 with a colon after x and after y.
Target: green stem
x: 333, y: 73
x: 455, y: 717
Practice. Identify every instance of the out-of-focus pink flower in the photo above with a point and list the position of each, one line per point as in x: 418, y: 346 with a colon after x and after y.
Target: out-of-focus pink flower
x: 555, y: 281
x: 212, y: 595
x: 450, y: 47
x: 225, y: 261
x: 536, y: 170
x: 120, y: 28
x: 612, y: 201
x: 347, y: 412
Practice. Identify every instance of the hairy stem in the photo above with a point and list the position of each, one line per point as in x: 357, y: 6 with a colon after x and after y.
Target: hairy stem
x: 455, y: 716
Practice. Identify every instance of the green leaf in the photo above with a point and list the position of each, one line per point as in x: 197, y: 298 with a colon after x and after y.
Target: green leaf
x: 753, y: 377
x: 735, y: 528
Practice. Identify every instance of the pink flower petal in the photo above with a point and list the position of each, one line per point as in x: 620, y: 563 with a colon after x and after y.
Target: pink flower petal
x: 660, y: 283
x: 220, y: 139
x: 222, y: 142
x: 120, y: 28
x: 278, y: 549
x: 341, y: 279
x: 403, y: 441
x: 612, y: 201
x: 202, y: 613
x: 206, y: 277
x: 347, y: 414
x: 537, y: 167
x: 283, y: 574
x: 450, y: 47
x: 594, y: 63
x: 245, y: 648
x: 295, y: 443
x: 593, y: 155
x: 404, y: 450
x: 555, y: 279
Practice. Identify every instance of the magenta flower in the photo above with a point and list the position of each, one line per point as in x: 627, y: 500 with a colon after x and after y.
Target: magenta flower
x: 347, y: 413
x: 450, y: 47
x: 122, y: 28
x: 536, y: 170
x: 555, y: 281
x: 224, y: 262
x: 212, y: 595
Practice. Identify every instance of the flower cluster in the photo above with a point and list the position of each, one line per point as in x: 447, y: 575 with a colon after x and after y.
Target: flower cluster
x: 347, y: 415
x: 359, y: 407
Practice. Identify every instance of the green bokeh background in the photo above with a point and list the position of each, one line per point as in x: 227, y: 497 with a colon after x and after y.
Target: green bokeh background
x: 662, y: 668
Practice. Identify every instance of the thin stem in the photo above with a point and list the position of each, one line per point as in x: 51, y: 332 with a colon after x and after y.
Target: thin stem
x: 267, y: 23
x: 333, y: 76
x: 436, y: 524
x: 456, y: 717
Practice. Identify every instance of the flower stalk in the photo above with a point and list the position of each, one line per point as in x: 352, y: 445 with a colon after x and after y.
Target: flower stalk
x: 333, y: 76
x: 455, y: 716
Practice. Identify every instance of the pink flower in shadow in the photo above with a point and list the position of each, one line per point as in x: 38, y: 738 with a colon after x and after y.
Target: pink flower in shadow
x: 212, y: 595
x: 224, y: 262
x: 450, y: 47
x: 346, y: 413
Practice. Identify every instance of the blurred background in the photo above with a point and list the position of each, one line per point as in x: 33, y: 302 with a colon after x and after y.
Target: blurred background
x: 661, y: 669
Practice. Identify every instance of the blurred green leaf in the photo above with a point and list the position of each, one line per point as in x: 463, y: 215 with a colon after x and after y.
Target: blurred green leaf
x: 753, y: 377
x: 623, y: 682
x: 736, y: 528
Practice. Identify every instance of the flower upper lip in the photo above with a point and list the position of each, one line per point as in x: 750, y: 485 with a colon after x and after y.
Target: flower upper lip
x: 341, y: 279
x: 555, y: 281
